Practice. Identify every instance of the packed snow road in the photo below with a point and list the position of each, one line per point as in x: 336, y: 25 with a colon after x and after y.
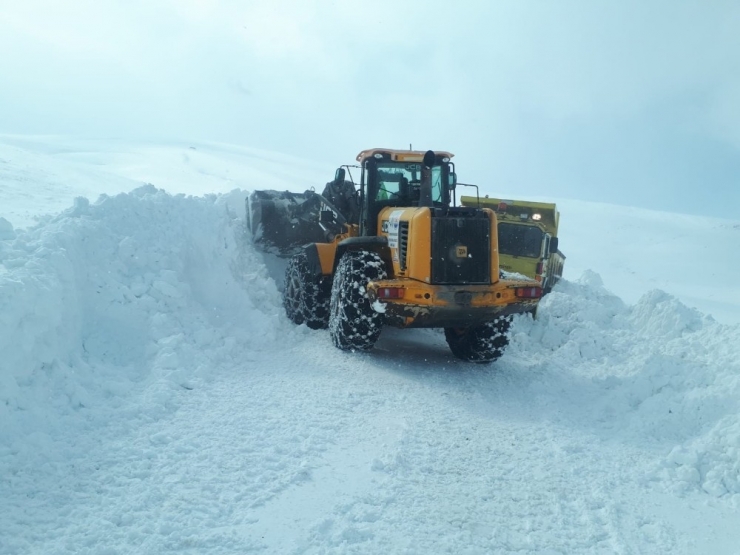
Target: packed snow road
x: 155, y: 399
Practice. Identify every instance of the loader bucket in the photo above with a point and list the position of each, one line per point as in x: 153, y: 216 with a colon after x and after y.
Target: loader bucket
x: 280, y: 222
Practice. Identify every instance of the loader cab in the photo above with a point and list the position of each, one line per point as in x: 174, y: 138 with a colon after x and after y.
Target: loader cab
x: 394, y: 178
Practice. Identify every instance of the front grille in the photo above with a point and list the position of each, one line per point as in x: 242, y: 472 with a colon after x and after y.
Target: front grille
x: 461, y: 250
x: 403, y: 243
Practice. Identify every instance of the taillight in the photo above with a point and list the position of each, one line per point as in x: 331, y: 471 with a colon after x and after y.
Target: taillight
x: 528, y: 292
x: 539, y: 268
x: 390, y: 293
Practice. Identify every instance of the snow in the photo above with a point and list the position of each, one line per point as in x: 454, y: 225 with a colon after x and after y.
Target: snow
x: 379, y: 307
x: 155, y: 399
x: 514, y: 276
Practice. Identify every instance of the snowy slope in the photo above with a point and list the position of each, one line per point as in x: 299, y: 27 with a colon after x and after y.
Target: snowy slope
x: 155, y: 399
x: 42, y: 174
x: 636, y: 250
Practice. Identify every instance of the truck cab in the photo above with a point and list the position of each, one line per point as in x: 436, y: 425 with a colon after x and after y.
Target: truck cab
x: 527, y: 238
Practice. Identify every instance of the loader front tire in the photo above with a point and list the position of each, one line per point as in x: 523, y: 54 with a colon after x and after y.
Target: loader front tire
x: 306, y: 296
x: 482, y: 343
x: 353, y: 322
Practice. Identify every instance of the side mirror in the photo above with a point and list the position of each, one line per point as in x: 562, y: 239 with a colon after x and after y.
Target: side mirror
x: 553, y: 245
x: 453, y: 181
x: 339, y: 175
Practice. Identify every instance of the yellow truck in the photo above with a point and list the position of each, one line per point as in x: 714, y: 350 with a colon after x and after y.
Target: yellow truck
x: 527, y: 238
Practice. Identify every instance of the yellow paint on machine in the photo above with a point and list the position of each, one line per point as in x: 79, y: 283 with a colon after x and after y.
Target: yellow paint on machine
x: 419, y: 253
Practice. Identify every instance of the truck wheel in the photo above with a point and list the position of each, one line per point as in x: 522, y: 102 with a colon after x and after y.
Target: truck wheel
x: 482, y: 343
x: 353, y: 323
x: 305, y: 296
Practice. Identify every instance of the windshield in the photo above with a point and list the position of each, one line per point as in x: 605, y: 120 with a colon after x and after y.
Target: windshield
x: 520, y: 240
x: 400, y: 180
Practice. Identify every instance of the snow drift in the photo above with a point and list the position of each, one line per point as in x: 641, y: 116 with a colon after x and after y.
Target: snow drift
x: 657, y: 373
x: 123, y: 295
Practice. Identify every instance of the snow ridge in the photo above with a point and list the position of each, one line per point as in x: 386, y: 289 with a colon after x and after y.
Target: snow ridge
x: 658, y: 374
x: 122, y: 294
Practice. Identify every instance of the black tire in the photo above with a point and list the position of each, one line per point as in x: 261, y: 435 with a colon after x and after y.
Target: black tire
x: 482, y: 343
x: 353, y: 323
x: 306, y: 296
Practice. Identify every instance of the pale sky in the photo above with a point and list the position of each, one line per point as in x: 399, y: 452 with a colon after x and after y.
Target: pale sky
x: 628, y: 102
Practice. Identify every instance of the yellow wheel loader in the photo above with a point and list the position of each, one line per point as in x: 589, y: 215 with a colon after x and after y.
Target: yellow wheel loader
x: 395, y: 251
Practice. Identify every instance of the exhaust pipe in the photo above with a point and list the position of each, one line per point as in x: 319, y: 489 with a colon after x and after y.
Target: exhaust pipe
x: 425, y: 192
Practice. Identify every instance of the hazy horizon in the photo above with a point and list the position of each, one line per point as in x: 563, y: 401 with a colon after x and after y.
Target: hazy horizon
x: 633, y: 103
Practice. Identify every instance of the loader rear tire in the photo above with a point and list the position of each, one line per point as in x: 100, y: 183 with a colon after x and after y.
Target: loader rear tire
x: 306, y: 296
x: 482, y: 343
x: 353, y: 322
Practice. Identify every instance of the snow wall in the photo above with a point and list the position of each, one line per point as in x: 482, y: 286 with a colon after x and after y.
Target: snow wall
x: 134, y: 295
x: 139, y: 294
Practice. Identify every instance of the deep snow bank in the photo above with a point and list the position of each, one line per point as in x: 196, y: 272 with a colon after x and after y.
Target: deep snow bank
x: 657, y: 374
x: 141, y: 291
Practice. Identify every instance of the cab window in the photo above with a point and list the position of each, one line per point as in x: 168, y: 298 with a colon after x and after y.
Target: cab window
x: 520, y: 240
x: 401, y: 181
